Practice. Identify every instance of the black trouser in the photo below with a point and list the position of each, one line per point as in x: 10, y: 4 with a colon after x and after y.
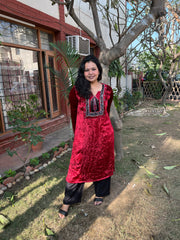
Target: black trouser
x: 73, y: 191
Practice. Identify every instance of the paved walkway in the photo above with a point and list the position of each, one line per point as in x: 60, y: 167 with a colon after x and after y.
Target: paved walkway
x: 50, y: 141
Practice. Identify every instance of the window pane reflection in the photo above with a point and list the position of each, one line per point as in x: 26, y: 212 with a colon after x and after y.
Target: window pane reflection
x: 19, y: 77
x: 46, y: 39
x: 18, y: 34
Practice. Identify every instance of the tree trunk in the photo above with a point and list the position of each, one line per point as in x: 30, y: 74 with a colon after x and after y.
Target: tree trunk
x: 115, y: 120
x: 166, y: 93
x: 117, y: 125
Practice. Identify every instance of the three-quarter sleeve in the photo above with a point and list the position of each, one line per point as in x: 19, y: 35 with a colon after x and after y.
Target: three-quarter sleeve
x: 73, y: 106
x: 110, y: 100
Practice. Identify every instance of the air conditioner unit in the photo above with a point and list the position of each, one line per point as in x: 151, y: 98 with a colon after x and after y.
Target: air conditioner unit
x: 80, y: 44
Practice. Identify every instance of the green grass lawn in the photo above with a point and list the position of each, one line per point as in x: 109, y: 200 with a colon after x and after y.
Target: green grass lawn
x: 33, y: 204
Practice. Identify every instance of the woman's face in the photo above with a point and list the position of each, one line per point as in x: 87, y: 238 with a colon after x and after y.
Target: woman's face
x: 91, y: 72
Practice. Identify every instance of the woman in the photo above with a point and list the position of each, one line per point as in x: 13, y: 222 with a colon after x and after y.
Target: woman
x: 92, y: 158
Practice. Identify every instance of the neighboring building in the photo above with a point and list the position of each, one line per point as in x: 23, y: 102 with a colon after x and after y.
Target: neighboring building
x: 26, y: 29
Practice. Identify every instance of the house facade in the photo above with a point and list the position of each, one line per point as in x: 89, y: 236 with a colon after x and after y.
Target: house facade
x: 26, y: 29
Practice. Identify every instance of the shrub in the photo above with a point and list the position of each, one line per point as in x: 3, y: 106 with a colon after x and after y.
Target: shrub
x: 1, y: 180
x: 34, y: 161
x: 128, y: 101
x: 62, y: 144
x: 116, y: 100
x: 137, y: 96
x: 9, y: 173
x: 45, y: 156
x: 54, y: 149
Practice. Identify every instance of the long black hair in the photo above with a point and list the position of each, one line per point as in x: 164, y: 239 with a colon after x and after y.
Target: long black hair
x: 82, y: 85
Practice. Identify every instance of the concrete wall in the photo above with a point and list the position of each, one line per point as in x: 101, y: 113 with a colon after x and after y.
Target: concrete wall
x: 125, y: 83
x: 43, y: 6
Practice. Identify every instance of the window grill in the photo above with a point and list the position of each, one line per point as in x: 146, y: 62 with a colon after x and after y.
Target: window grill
x: 16, y: 85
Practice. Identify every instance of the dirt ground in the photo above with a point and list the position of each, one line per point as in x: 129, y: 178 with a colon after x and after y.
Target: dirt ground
x: 144, y: 203
x: 142, y: 206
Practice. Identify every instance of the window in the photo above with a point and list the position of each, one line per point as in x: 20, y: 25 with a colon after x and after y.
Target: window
x: 19, y: 77
x: 46, y: 38
x: 23, y: 69
x: 17, y: 34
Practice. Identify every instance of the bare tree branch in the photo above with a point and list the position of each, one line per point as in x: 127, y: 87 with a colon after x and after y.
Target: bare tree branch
x: 157, y: 10
x: 174, y: 12
x: 97, y: 24
x: 59, y: 2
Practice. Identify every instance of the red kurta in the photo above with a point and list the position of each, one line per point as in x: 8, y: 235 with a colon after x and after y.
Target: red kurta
x: 92, y: 156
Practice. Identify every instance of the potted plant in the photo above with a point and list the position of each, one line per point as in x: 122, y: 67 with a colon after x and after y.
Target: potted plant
x: 23, y: 118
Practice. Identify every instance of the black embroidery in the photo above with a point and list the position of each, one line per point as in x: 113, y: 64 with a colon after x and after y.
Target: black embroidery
x: 94, y: 105
x: 90, y: 108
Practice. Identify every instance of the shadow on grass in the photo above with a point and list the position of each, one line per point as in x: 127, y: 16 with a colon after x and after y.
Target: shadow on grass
x: 86, y: 214
x: 19, y: 223
x: 8, y: 194
x: 83, y: 217
x: 79, y: 223
x: 22, y: 221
